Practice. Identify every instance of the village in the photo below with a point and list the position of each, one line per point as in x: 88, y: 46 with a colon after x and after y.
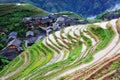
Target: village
x: 37, y: 29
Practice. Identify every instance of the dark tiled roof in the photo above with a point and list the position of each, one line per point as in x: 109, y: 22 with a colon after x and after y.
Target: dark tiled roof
x: 13, y: 34
x: 29, y: 33
x: 32, y: 39
x: 15, y: 42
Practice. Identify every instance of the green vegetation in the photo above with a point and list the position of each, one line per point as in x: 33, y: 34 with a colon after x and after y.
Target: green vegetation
x: 12, y: 15
x: 3, y: 62
x: 105, y: 35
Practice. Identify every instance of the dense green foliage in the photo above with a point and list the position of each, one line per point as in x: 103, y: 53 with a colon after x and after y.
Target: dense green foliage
x: 11, y: 16
x: 3, y: 62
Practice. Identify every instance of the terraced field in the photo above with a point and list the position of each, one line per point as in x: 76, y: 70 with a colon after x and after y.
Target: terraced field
x: 80, y: 52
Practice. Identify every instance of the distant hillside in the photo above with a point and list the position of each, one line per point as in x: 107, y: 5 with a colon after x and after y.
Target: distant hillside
x: 84, y: 7
x: 108, y: 15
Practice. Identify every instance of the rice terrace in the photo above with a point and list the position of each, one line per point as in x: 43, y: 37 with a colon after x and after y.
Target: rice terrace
x: 74, y: 50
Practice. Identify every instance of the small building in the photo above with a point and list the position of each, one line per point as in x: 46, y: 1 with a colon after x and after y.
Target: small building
x: 12, y: 35
x: 37, y: 32
x: 30, y: 41
x: 27, y: 20
x: 15, y: 44
x: 13, y: 49
x: 60, y: 19
x: 48, y: 31
x: 55, y: 26
x: 29, y: 34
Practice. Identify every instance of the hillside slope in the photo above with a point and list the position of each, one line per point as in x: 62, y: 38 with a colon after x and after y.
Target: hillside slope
x: 84, y: 7
x: 11, y: 15
x: 72, y: 49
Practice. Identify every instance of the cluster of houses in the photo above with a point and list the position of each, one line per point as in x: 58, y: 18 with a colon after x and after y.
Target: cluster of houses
x: 45, y: 25
x: 51, y: 22
x: 15, y: 45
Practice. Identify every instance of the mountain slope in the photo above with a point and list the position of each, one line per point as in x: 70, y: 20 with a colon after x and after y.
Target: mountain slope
x: 67, y: 51
x: 84, y: 7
